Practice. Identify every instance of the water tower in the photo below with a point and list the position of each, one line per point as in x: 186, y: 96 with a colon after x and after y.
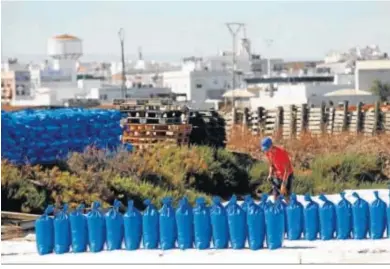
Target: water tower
x: 65, y: 51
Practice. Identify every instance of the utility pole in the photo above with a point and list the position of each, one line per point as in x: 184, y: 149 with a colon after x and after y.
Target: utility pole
x: 234, y: 28
x: 268, y: 43
x: 121, y: 35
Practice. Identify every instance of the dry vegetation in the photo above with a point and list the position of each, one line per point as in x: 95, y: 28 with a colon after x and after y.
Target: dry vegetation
x: 329, y: 162
x: 305, y: 148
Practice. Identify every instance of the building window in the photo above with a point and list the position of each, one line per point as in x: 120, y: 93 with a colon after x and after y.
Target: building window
x: 103, y: 97
x: 198, y: 86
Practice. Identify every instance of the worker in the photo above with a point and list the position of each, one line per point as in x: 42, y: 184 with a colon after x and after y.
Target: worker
x: 280, y: 169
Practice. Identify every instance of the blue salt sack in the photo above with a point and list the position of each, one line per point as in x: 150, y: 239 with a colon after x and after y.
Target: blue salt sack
x: 344, y: 218
x: 168, y: 229
x: 256, y: 225
x: 185, y: 224
x: 79, y: 230
x: 62, y: 235
x: 219, y: 224
x: 150, y: 226
x: 377, y: 217
x: 327, y: 219
x: 202, y: 224
x: 44, y: 230
x: 114, y: 227
x: 236, y: 223
x: 311, y: 219
x: 274, y: 218
x: 361, y: 217
x: 96, y: 228
x: 132, y: 227
x: 295, y: 219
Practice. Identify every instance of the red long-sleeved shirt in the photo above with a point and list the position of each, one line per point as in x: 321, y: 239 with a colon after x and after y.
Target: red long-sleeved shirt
x: 279, y: 159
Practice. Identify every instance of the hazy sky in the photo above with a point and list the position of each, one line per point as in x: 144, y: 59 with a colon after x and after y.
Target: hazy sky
x: 169, y: 30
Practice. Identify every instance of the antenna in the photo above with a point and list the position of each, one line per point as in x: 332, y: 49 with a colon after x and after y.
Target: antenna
x: 121, y: 35
x: 234, y: 28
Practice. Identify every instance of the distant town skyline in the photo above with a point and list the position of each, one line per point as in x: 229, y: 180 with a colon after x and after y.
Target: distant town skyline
x: 167, y: 31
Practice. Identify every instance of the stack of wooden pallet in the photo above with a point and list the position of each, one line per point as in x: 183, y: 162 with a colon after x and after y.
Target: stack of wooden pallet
x: 15, y: 225
x: 149, y: 121
x: 208, y: 128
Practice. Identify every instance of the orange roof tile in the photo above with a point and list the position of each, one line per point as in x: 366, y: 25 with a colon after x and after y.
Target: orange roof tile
x: 66, y: 37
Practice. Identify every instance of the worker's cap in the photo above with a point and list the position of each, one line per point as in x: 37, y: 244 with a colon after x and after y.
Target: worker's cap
x: 266, y: 143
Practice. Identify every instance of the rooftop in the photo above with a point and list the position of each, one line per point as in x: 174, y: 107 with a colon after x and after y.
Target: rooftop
x: 373, y: 64
x: 66, y: 37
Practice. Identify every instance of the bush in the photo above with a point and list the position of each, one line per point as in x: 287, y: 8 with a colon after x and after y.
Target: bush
x: 127, y: 188
x: 176, y: 171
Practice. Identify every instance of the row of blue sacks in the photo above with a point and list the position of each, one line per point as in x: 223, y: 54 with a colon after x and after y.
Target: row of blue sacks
x: 200, y: 226
x: 45, y: 136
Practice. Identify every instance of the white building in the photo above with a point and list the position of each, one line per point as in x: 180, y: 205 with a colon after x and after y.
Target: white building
x: 198, y: 82
x: 288, y: 94
x: 107, y: 93
x: 368, y: 71
x: 245, y: 64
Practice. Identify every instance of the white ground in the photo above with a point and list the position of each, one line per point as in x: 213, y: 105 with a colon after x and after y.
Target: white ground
x: 333, y: 251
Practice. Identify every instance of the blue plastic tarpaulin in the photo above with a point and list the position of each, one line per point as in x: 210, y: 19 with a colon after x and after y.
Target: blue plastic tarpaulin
x: 168, y: 229
x: 294, y: 211
x: 219, y: 224
x: 361, y: 217
x: 274, y: 218
x: 377, y: 217
x: 344, y: 218
x: 237, y: 224
x: 114, y: 227
x: 62, y: 236
x: 202, y: 224
x: 79, y: 230
x: 311, y: 219
x: 44, y: 230
x: 185, y: 224
x: 327, y: 219
x: 132, y: 222
x: 256, y: 225
x: 46, y: 136
x: 96, y: 228
x: 150, y: 226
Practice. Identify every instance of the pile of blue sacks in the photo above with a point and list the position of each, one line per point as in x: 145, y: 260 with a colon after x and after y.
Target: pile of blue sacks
x: 45, y: 136
x: 261, y: 225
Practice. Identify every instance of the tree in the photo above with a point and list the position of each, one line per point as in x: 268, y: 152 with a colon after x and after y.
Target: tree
x: 381, y: 89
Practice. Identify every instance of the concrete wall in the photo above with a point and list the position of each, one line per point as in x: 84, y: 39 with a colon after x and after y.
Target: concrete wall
x: 366, y: 78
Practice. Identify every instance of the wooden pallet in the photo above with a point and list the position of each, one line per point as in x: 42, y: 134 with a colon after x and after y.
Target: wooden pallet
x: 130, y: 108
x: 162, y: 127
x: 156, y: 133
x: 154, y: 114
x: 14, y: 224
x: 137, y: 141
x: 174, y: 120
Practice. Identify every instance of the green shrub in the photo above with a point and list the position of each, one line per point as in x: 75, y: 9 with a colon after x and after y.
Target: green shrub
x: 345, y: 167
x: 127, y: 188
x: 19, y: 193
x: 174, y: 171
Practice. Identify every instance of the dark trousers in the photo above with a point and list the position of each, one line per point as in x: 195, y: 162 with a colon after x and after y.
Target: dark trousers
x: 277, y: 185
